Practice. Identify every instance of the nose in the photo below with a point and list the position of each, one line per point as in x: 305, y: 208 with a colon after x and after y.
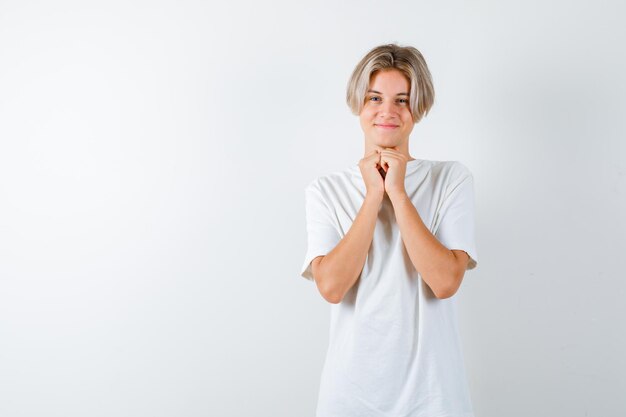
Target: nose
x: 388, y: 108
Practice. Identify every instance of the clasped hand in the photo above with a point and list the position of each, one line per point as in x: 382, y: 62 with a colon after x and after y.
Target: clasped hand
x: 384, y: 170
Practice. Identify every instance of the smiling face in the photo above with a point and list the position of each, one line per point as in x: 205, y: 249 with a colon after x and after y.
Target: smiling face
x: 386, y: 117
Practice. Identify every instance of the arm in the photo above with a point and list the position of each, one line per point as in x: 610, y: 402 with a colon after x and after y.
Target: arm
x: 337, y: 272
x: 441, y: 268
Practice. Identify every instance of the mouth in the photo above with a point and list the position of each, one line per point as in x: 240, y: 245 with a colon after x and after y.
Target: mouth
x: 386, y: 126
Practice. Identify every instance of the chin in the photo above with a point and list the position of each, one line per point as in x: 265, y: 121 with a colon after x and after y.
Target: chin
x: 389, y: 142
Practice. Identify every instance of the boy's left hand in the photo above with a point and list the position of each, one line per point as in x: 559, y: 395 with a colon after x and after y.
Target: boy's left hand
x: 394, y: 164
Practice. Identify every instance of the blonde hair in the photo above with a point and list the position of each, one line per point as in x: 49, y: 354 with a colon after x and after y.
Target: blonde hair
x: 409, y: 61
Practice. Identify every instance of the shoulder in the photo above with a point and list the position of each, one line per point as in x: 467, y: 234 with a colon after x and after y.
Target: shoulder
x: 450, y: 172
x: 450, y: 168
x: 446, y: 176
x: 331, y: 180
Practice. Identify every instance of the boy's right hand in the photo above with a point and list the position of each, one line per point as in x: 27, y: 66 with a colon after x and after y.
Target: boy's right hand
x: 370, y: 170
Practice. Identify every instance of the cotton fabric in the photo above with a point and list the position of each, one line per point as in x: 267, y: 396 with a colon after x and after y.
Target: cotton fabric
x: 394, y: 348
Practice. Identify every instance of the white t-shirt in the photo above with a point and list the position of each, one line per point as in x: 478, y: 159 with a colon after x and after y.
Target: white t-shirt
x: 394, y: 348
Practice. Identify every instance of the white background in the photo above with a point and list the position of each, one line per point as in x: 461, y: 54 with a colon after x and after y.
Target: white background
x: 153, y: 158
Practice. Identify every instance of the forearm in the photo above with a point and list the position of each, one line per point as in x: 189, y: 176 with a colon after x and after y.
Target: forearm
x: 341, y: 267
x: 435, y: 263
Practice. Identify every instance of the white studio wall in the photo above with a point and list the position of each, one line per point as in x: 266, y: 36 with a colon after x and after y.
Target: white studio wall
x: 153, y: 159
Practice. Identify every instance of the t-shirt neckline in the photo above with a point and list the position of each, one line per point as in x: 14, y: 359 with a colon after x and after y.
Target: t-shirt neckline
x: 410, y: 166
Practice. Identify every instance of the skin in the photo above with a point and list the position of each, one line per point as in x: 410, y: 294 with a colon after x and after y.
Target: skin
x: 387, y: 122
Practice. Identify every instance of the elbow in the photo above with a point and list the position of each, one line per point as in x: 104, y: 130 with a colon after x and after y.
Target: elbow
x: 327, y: 287
x: 331, y: 294
x: 450, y: 281
x: 332, y: 299
x: 445, y: 293
x: 450, y: 288
x: 327, y: 291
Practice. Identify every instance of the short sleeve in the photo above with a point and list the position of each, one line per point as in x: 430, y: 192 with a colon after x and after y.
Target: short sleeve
x: 456, y: 226
x: 322, y: 235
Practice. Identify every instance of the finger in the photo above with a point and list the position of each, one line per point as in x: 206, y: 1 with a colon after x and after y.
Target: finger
x: 372, y: 156
x: 390, y: 152
x: 387, y: 156
x: 373, y: 160
x: 396, y: 156
x: 393, y: 157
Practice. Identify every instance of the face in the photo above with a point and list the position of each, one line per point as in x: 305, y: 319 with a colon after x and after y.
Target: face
x: 386, y: 117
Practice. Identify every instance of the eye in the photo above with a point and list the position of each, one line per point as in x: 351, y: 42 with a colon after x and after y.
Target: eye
x: 374, y: 98
x: 403, y: 100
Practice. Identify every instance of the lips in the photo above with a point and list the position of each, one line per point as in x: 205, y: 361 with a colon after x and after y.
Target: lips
x: 386, y: 126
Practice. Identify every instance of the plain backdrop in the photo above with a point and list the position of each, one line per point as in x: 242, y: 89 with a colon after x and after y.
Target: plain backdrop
x: 153, y: 159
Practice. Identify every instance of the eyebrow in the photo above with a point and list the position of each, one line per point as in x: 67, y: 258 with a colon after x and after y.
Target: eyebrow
x: 378, y: 92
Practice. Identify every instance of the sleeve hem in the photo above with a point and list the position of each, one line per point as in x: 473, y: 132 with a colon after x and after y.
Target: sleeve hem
x: 305, y: 270
x: 473, y: 259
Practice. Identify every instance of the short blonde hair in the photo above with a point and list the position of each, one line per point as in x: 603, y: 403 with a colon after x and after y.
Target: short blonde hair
x: 409, y: 61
